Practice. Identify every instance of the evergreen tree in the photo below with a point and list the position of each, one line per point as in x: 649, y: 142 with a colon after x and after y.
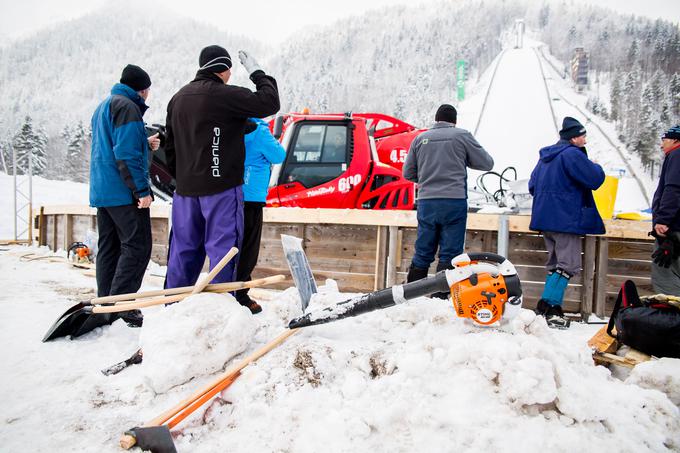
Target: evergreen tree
x: 633, y: 53
x: 674, y: 94
x: 615, y: 98
x: 544, y: 15
x: 30, y: 141
x: 646, y: 142
x: 77, y: 158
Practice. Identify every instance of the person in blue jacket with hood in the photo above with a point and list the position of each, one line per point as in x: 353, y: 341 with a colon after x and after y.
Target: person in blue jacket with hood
x: 119, y: 186
x: 262, y: 150
x: 563, y: 210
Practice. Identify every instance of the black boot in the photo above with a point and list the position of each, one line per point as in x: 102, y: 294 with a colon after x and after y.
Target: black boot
x: 415, y: 273
x: 132, y: 318
x: 555, y: 318
x: 246, y: 301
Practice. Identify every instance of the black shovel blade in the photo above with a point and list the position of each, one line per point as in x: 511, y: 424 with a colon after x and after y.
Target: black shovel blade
x: 156, y: 439
x: 78, y: 320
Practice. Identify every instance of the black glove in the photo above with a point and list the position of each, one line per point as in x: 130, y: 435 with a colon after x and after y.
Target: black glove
x: 669, y: 248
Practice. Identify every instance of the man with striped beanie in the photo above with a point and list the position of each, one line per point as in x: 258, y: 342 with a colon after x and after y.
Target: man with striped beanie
x: 205, y: 153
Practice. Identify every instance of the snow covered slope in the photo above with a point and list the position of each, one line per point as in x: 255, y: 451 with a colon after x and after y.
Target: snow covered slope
x: 523, y: 114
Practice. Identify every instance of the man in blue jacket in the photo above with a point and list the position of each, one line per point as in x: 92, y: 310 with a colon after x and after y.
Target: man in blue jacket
x: 666, y: 218
x: 119, y: 186
x: 563, y: 210
x: 262, y: 150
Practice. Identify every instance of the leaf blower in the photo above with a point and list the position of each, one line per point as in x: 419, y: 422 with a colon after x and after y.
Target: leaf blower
x: 484, y: 287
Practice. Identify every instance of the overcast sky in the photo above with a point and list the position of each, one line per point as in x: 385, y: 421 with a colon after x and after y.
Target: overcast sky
x: 270, y: 20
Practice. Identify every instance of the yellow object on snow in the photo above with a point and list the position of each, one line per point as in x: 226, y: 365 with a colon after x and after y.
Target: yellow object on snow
x: 605, y: 196
x: 633, y: 216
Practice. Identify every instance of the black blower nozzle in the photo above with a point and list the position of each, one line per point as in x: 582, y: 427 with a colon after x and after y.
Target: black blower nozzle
x: 374, y: 301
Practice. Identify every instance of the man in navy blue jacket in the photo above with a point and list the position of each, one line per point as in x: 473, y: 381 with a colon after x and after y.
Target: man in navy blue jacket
x: 563, y: 210
x: 666, y: 218
x: 119, y: 185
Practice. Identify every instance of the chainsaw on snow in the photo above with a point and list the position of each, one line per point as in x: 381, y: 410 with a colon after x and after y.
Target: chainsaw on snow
x: 484, y: 287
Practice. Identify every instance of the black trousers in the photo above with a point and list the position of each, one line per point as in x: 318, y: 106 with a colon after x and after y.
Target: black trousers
x: 250, y: 249
x: 124, y: 249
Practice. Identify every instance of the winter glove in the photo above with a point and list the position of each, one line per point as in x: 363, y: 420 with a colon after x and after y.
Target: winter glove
x: 248, y: 62
x: 669, y: 249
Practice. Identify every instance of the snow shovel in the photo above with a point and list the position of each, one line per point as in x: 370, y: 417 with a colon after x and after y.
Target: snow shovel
x: 84, y: 317
x: 155, y: 435
x: 299, y: 268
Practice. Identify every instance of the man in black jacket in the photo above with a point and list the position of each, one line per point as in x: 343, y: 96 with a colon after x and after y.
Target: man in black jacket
x: 205, y: 152
x: 666, y: 218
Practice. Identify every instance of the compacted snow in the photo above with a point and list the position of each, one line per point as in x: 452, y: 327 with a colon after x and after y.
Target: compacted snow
x: 408, y: 378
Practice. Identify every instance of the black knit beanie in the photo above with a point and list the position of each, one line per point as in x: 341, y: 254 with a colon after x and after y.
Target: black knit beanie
x: 571, y: 128
x: 214, y: 59
x: 135, y: 77
x: 673, y: 133
x: 447, y: 113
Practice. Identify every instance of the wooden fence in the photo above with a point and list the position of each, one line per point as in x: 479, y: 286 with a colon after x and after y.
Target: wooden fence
x: 368, y: 250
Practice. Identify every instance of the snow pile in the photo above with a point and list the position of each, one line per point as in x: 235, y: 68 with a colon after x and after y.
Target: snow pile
x: 416, y: 378
x: 662, y: 374
x: 413, y: 377
x: 193, y: 338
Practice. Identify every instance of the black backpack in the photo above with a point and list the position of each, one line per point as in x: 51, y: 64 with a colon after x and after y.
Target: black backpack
x: 649, y: 325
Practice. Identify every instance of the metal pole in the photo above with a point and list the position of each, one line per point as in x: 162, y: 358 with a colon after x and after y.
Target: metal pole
x: 30, y: 199
x: 14, y: 170
x: 503, y: 234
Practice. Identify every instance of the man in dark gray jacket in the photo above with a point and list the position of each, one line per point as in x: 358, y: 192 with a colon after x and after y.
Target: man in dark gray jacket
x: 438, y: 160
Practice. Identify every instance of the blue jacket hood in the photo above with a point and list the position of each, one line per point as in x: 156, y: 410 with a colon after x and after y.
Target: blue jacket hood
x: 551, y: 152
x: 123, y: 90
x: 262, y: 150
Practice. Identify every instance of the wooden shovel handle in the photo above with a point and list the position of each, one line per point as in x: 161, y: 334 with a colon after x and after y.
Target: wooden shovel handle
x: 167, y: 415
x: 216, y: 270
x: 127, y: 441
x: 172, y: 291
x: 178, y: 297
x: 214, y: 288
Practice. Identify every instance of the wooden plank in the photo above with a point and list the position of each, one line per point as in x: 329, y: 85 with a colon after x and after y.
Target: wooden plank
x: 588, y: 276
x: 616, y: 228
x: 601, y: 269
x: 42, y: 228
x: 603, y: 342
x: 538, y: 274
x: 630, y: 249
x: 380, y: 258
x: 638, y: 268
x: 391, y: 268
x: 361, y: 283
x: 629, y: 360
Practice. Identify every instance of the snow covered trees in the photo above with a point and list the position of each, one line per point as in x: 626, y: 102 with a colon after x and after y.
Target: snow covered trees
x: 77, y: 141
x: 30, y: 141
x: 639, y: 57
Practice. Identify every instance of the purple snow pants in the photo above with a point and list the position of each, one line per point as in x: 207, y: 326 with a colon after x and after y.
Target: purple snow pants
x: 209, y: 224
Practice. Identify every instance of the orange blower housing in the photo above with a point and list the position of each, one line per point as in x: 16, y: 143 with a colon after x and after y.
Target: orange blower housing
x: 481, y: 297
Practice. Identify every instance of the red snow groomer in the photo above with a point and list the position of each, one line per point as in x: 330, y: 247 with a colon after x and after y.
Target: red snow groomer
x: 342, y: 160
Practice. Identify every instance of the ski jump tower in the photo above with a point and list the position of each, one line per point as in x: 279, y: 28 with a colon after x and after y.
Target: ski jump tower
x: 519, y: 33
x: 22, y: 169
x: 579, y: 69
